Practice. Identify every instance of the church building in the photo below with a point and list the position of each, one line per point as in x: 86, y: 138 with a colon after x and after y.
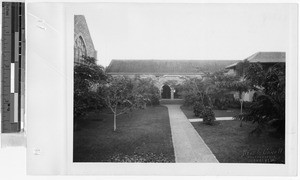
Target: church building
x: 83, y: 43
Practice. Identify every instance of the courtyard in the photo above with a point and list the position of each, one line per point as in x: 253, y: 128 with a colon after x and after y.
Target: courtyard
x: 159, y: 134
x: 177, y: 110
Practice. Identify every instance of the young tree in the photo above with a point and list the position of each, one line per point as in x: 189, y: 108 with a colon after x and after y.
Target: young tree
x: 240, y: 86
x: 239, y: 83
x: 121, y: 96
x: 219, y: 83
x: 195, y: 93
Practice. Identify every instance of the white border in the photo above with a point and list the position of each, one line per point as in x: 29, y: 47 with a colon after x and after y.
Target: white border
x: 290, y: 168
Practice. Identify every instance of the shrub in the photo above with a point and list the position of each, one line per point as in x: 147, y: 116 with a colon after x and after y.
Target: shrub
x: 189, y: 98
x: 268, y: 106
x: 87, y: 76
x: 220, y: 104
x: 190, y: 89
x: 154, y: 95
x: 247, y: 104
x: 198, y: 109
x: 147, y: 88
x: 154, y: 99
x: 208, y: 116
x: 235, y: 104
x: 217, y: 103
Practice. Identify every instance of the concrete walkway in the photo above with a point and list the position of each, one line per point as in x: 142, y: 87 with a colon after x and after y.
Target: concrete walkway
x: 189, y: 147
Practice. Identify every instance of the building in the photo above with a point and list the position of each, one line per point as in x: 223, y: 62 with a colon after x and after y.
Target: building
x: 83, y: 43
x: 266, y: 59
x: 166, y: 72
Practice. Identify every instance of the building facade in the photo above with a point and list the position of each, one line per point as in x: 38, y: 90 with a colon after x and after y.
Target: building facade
x: 166, y: 73
x: 83, y: 43
x: 266, y: 59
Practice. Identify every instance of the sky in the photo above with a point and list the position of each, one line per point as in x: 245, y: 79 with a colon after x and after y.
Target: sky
x: 186, y: 31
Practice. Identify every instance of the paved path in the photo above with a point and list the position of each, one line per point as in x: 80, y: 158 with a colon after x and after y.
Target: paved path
x: 188, y: 145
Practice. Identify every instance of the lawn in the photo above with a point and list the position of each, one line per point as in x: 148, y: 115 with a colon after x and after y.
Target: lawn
x: 231, y: 143
x: 141, y: 136
x: 189, y: 112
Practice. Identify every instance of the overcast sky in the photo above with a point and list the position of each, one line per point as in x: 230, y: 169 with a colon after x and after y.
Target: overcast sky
x: 186, y: 31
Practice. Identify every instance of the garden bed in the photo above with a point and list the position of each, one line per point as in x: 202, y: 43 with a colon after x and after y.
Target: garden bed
x: 231, y: 143
x: 141, y: 136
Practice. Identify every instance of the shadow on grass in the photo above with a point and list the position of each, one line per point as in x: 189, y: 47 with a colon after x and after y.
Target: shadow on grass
x: 231, y: 143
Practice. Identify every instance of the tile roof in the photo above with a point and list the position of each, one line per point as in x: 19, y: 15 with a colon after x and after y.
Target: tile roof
x: 267, y: 57
x: 263, y: 57
x: 166, y: 67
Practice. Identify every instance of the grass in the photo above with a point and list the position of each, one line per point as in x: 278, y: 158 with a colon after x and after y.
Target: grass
x: 231, y: 143
x: 141, y: 136
x: 189, y: 112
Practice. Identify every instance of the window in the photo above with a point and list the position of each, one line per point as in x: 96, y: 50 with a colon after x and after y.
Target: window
x: 79, y: 50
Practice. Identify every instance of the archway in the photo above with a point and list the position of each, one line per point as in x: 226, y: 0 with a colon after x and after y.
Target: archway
x: 166, y: 92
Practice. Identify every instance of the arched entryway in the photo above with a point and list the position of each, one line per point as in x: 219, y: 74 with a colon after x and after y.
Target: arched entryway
x: 166, y: 92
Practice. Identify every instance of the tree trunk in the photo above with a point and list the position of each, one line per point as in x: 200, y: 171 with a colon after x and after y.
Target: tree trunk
x: 241, y: 106
x: 115, y: 119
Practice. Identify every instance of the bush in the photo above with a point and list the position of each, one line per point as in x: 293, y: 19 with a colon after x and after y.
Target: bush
x: 220, y: 104
x: 154, y: 97
x: 154, y: 100
x: 268, y: 106
x: 208, y: 116
x: 224, y: 102
x: 87, y: 76
x: 190, y: 89
x: 189, y: 98
x: 198, y: 109
x: 247, y: 104
x: 235, y: 104
x: 147, y: 88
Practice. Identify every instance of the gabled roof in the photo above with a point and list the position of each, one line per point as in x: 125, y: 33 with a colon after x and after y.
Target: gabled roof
x: 267, y: 57
x: 264, y: 57
x: 166, y: 67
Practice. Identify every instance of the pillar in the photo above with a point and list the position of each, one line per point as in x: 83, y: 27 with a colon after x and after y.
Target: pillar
x: 172, y: 93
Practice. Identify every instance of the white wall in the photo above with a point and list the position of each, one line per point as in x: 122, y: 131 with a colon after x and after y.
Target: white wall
x: 46, y: 104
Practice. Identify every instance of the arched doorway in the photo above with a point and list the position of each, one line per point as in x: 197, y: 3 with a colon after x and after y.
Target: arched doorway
x: 166, y: 92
